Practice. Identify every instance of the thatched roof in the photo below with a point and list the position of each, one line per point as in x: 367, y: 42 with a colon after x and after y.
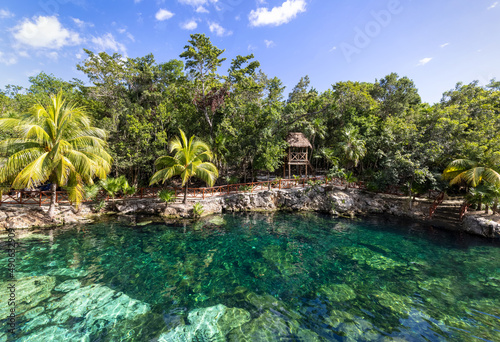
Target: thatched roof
x: 298, y: 140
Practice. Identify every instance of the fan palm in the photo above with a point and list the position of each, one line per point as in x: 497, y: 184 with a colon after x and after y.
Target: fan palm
x: 471, y: 173
x: 354, y: 148
x: 54, y: 144
x: 192, y: 159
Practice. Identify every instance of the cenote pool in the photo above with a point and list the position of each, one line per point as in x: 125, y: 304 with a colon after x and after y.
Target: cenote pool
x: 256, y: 277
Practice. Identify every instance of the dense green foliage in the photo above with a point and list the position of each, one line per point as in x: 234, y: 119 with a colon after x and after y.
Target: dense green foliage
x: 381, y: 131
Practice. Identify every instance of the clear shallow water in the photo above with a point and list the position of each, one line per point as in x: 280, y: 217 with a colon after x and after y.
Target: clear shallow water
x: 300, y: 277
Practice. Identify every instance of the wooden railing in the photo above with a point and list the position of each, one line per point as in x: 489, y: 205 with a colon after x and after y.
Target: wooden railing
x: 37, y: 197
x: 463, y: 210
x: 437, y: 203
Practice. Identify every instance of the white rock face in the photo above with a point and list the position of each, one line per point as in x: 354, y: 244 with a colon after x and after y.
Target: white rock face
x: 481, y: 226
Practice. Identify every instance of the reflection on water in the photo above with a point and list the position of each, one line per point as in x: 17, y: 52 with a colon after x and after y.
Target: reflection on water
x: 256, y: 277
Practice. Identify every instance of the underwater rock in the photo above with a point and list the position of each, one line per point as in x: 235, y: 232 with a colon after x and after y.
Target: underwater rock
x: 28, y: 293
x: 90, y: 310
x: 36, y: 322
x: 286, y: 262
x: 96, y: 303
x: 338, y: 317
x: 395, y: 302
x: 141, y: 328
x: 55, y: 334
x: 270, y: 327
x: 34, y: 312
x: 352, y: 327
x: 217, y: 220
x: 68, y: 272
x: 208, y: 324
x: 68, y: 285
x: 337, y: 292
x: 267, y: 327
x: 366, y: 256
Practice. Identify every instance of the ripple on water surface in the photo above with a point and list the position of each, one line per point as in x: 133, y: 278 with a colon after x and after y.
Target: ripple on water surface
x: 256, y: 277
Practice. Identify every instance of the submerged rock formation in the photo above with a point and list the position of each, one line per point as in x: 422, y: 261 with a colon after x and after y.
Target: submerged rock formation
x: 208, y: 324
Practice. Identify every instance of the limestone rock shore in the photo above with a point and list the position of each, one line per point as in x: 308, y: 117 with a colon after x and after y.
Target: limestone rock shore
x: 326, y: 199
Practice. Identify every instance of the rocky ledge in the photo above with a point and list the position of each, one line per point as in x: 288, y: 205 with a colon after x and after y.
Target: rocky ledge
x: 326, y: 199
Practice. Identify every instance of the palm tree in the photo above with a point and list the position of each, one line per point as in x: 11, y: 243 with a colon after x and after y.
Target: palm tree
x: 192, y: 159
x: 471, y: 173
x: 56, y: 144
x: 354, y: 148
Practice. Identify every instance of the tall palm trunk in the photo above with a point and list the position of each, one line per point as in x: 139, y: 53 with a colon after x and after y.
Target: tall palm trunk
x: 185, y: 193
x: 52, y: 208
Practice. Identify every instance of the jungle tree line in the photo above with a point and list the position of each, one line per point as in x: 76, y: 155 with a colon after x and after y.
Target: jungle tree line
x: 380, y: 132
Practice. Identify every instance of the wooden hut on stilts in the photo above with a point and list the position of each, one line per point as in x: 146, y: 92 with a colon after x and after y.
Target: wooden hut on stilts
x: 298, y: 154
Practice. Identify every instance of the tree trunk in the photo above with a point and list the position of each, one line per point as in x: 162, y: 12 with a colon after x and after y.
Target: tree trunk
x: 409, y: 190
x: 495, y: 206
x: 487, y: 209
x: 480, y: 203
x: 185, y: 193
x: 52, y: 208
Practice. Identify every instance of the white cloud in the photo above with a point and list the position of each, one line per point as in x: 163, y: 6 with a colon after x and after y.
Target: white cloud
x: 189, y: 25
x: 218, y: 30
x: 108, y: 42
x: 53, y: 55
x: 130, y: 36
x: 269, y: 43
x: 444, y: 45
x: 4, y: 14
x: 163, y: 14
x: 122, y: 30
x: 251, y: 47
x: 44, y: 32
x: 277, y: 15
x: 33, y: 72
x: 424, y: 61
x: 495, y: 4
x: 137, y: 1
x: 7, y: 60
x: 81, y: 24
x: 197, y: 3
x: 79, y: 56
x: 201, y: 9
x: 333, y: 49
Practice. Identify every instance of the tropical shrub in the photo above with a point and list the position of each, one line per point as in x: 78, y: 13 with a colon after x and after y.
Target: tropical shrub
x: 167, y: 196
x: 198, y: 209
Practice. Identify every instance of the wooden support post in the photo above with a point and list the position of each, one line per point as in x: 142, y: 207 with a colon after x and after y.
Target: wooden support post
x: 203, y: 193
x: 39, y: 200
x: 280, y: 185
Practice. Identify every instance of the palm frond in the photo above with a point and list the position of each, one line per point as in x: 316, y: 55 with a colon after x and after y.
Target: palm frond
x: 34, y: 174
x: 491, y: 176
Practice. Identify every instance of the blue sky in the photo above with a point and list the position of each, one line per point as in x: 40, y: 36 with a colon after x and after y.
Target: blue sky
x: 435, y: 43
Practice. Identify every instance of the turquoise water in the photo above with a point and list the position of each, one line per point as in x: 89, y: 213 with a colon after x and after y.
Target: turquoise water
x: 295, y: 277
